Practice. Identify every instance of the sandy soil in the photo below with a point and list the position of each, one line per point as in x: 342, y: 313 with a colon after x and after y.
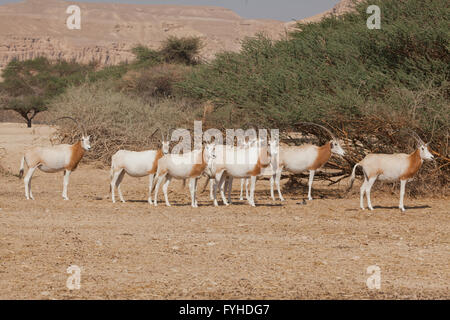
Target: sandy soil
x: 278, y: 251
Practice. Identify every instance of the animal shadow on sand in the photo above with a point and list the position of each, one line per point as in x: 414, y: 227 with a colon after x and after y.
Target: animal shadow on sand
x: 406, y: 207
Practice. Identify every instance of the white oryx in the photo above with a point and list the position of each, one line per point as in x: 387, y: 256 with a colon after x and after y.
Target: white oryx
x: 391, y: 167
x: 239, y: 162
x: 297, y: 159
x: 189, y: 165
x: 136, y: 164
x: 274, y: 149
x: 54, y: 159
x: 227, y: 186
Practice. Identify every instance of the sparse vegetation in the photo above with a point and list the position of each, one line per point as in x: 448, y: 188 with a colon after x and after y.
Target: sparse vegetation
x: 365, y: 84
x: 116, y: 120
x: 29, y: 85
x: 181, y: 50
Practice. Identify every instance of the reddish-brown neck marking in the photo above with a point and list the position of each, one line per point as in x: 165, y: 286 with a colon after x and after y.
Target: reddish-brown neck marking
x: 256, y: 169
x: 197, y: 169
x: 159, y: 155
x: 77, y: 152
x: 260, y: 164
x: 415, y: 162
x: 323, y: 155
x: 264, y: 159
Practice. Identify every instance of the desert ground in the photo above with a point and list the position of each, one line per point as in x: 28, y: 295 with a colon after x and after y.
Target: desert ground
x: 290, y: 250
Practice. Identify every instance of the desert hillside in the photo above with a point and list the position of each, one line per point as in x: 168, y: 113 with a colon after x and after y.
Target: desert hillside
x: 108, y: 31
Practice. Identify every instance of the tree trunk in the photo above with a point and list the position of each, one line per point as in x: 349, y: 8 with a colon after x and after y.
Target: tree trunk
x: 29, y: 123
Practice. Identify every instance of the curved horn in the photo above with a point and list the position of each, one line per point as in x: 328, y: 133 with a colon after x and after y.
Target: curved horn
x: 320, y: 126
x: 169, y: 133
x: 80, y: 126
x: 162, y: 135
x: 154, y: 133
x: 415, y: 136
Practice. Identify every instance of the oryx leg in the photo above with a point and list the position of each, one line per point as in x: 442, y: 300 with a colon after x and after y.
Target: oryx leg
x: 230, y: 187
x: 66, y: 183
x: 217, y: 180
x: 221, y: 187
x: 211, y: 189
x: 251, y: 200
x: 192, y: 191
x: 165, y: 189
x: 195, y: 191
x: 368, y: 188
x: 272, y: 181
x: 277, y: 182
x: 118, y: 182
x: 247, y: 181
x: 361, y: 193
x: 150, y: 188
x: 115, y: 177
x: 402, y: 194
x: 241, y: 195
x: 214, y: 185
x: 310, y: 182
x: 159, y: 179
x: 27, y: 182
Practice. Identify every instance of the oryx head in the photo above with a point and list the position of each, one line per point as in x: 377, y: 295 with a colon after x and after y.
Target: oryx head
x: 334, y: 143
x: 85, y: 142
x: 423, y: 147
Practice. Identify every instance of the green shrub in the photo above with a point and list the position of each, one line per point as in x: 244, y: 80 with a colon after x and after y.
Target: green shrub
x: 146, y: 56
x: 366, y: 84
x: 155, y: 81
x: 181, y: 50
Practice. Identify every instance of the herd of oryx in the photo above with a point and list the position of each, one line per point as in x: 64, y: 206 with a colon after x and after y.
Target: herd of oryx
x: 222, y: 163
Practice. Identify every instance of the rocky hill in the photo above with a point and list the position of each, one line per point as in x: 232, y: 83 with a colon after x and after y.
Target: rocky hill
x: 108, y: 31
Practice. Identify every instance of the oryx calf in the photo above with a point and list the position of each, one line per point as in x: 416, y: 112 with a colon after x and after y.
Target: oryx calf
x: 390, y: 167
x: 53, y: 159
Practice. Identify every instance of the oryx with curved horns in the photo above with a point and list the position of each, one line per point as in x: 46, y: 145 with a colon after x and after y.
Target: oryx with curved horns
x: 297, y: 159
x: 137, y: 164
x: 391, y: 167
x: 55, y: 158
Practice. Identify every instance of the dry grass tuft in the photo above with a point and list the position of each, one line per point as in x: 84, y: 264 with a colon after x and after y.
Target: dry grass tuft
x: 117, y: 121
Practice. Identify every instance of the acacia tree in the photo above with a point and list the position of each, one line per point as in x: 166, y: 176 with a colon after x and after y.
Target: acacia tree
x: 29, y: 85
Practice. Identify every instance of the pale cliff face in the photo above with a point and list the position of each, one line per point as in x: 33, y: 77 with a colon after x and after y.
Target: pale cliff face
x: 109, y: 31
